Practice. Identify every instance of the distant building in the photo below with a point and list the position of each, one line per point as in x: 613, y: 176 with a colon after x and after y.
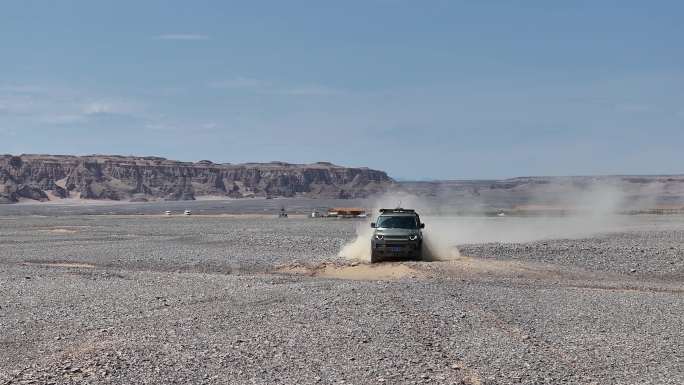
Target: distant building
x: 347, y: 212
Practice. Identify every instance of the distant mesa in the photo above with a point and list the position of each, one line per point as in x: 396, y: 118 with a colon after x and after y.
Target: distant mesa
x: 45, y: 178
x: 146, y: 178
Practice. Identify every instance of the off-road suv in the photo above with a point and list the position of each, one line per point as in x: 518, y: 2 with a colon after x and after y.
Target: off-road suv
x: 397, y: 235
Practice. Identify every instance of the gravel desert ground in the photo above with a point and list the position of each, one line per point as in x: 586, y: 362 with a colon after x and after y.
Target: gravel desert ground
x: 252, y: 299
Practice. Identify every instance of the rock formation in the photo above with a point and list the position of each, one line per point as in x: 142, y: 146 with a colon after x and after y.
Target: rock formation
x: 45, y: 177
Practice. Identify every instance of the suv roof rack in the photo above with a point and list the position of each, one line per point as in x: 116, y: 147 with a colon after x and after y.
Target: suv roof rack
x: 397, y: 210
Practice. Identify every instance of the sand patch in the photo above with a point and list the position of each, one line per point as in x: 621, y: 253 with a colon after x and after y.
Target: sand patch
x: 61, y: 183
x: 457, y: 267
x: 472, y: 377
x: 78, y: 265
x: 51, y: 195
x: 214, y: 198
x: 356, y: 272
x: 464, y: 266
x: 59, y: 231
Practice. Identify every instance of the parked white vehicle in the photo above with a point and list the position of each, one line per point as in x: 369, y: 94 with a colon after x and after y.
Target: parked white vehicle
x: 187, y: 212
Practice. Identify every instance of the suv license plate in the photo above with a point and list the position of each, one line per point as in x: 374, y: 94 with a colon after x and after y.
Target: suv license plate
x: 395, y: 249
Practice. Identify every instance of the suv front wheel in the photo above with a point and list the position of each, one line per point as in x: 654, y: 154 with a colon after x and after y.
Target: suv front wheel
x: 374, y: 258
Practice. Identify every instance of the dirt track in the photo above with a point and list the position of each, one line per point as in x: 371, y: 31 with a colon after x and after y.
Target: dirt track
x: 236, y: 300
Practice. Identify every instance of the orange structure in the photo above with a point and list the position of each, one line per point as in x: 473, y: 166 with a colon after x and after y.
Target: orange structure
x: 346, y: 212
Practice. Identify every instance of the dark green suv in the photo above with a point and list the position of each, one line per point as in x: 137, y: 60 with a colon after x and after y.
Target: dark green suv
x: 397, y: 235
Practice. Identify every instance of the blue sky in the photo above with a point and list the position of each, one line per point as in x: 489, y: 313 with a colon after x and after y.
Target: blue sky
x: 423, y: 90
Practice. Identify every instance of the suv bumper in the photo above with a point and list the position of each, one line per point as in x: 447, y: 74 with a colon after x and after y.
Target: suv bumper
x: 396, y: 249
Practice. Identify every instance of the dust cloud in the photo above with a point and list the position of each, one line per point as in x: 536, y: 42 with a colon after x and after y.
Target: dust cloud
x: 589, y: 212
x: 436, y: 241
x: 360, y: 248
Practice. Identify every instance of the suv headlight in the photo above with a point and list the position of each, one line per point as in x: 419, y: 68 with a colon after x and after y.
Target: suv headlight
x: 413, y: 237
x: 379, y: 237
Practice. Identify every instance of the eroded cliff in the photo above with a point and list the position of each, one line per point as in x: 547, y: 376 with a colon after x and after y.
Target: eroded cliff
x: 49, y: 177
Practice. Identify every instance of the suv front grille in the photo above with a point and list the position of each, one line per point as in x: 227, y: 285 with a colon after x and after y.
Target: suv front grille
x: 396, y: 238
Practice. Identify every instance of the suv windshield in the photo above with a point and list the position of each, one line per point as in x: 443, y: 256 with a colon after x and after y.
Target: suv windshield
x: 403, y: 222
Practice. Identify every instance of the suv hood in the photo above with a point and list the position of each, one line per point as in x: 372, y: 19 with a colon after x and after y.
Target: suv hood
x: 397, y: 232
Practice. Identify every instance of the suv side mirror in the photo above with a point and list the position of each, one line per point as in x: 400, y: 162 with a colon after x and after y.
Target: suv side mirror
x: 373, y: 225
x: 422, y: 225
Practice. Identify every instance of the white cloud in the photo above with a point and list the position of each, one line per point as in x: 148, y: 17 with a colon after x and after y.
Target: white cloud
x: 265, y: 87
x: 62, y: 119
x: 16, y: 105
x: 633, y: 107
x: 182, y: 36
x: 97, y: 108
x: 159, y: 127
x: 240, y: 82
x: 45, y: 105
x: 110, y: 107
x: 312, y: 90
x: 21, y: 89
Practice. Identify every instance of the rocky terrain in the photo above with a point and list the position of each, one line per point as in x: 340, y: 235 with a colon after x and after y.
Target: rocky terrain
x: 148, y: 299
x: 54, y: 177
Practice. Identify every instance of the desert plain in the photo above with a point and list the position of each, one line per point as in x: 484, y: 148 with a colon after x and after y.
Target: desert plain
x: 124, y: 295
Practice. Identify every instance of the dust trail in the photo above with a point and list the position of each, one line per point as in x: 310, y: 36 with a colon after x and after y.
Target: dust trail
x: 437, y: 246
x: 360, y: 248
x: 594, y: 209
x: 436, y: 243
